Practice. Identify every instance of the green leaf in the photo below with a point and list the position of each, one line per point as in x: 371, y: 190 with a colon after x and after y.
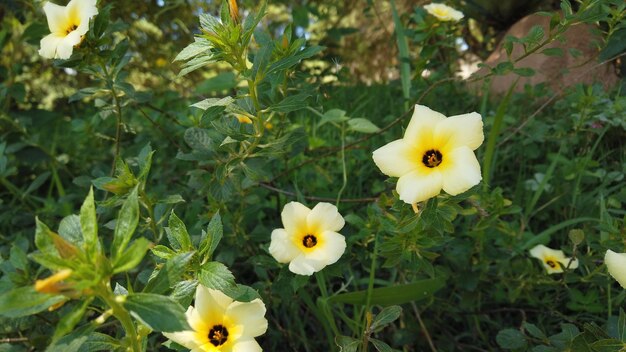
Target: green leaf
x: 177, y: 234
x: 43, y: 237
x: 386, y: 316
x: 69, y: 321
x: 621, y: 326
x: 84, y: 340
x: 524, y: 71
x: 241, y: 293
x: 534, y: 331
x: 386, y: 296
x: 127, y: 220
x: 608, y: 345
x: 292, y: 60
x: 510, y: 339
x: 18, y: 258
x: 25, y: 301
x: 212, y: 102
x: 381, y: 346
x: 291, y: 103
x: 347, y: 344
x: 144, y: 159
x: 169, y: 274
x: 212, y: 237
x: 362, y: 125
x: 159, y: 313
x: 132, y: 256
x: 88, y: 222
x: 162, y: 251
x: 403, y: 48
x: 251, y: 23
x: 216, y: 275
x: 615, y: 45
x: 553, y: 52
x: 199, y: 46
x: 333, y: 115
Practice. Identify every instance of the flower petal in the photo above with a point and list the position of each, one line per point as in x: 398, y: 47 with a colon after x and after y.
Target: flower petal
x: 211, y: 305
x: 246, y: 345
x: 324, y: 217
x: 422, y: 124
x: 395, y: 159
x: 460, y: 171
x: 331, y: 247
x: 80, y: 12
x: 282, y: 247
x: 250, y: 315
x: 419, y: 185
x: 57, y: 17
x: 565, y: 261
x: 66, y: 45
x: 294, y: 217
x: 48, y: 45
x: 183, y: 338
x: 460, y: 130
x: 538, y: 251
x: 304, y: 265
x: 616, y: 263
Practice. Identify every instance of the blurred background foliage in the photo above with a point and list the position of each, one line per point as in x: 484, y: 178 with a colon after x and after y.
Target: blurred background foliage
x: 559, y: 165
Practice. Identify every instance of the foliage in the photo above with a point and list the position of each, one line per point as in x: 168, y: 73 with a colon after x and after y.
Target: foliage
x: 162, y: 153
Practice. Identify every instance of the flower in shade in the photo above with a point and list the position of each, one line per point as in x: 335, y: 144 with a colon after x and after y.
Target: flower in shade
x: 309, y: 240
x: 436, y: 153
x: 553, y: 260
x: 443, y: 12
x: 616, y: 263
x: 220, y: 324
x: 55, y: 283
x: 68, y: 24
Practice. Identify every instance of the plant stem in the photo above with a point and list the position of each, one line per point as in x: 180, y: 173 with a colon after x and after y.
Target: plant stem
x: 368, y: 300
x: 343, y: 164
x: 122, y: 315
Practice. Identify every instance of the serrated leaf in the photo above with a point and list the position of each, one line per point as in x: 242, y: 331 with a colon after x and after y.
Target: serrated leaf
x: 177, y: 233
x: 169, y: 274
x: 291, y: 103
x: 211, y: 238
x: 386, y: 316
x: 127, y: 220
x: 216, y: 275
x: 159, y: 313
x: 199, y: 46
x: 212, y: 102
x: 162, y: 251
x: 132, y: 256
x: 88, y: 223
x: 608, y: 345
x: 294, y: 59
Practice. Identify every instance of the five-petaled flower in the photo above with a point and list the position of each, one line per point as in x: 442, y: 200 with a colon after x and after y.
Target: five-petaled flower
x: 553, y: 260
x: 436, y: 153
x: 309, y: 241
x: 221, y: 324
x: 68, y: 24
x: 616, y: 263
x: 443, y: 12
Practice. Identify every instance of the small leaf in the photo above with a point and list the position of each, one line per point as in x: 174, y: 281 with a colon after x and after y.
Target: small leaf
x: 169, y: 274
x: 159, y: 313
x: 126, y: 223
x: 88, y: 223
x: 291, y: 103
x: 381, y: 346
x: 524, y: 71
x: 577, y: 236
x: 347, y: 344
x: 386, y: 316
x: 69, y: 320
x: 216, y: 275
x: 210, y: 239
x: 177, y: 233
x: 553, y: 52
x: 362, y: 125
x: 200, y: 46
x: 510, y: 339
x: 534, y: 331
x: 212, y: 102
x: 132, y: 256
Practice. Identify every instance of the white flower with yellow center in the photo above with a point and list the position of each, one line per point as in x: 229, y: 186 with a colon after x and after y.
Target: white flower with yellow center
x: 68, y: 24
x: 221, y: 324
x: 309, y: 241
x: 616, y: 263
x: 436, y: 153
x: 443, y: 12
x: 553, y: 260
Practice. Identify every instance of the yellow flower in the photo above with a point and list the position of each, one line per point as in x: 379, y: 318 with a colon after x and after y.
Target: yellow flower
x: 443, y: 12
x: 616, y: 263
x: 68, y: 24
x: 309, y: 242
x: 436, y: 153
x: 243, y: 119
x: 553, y: 260
x: 221, y: 324
x: 54, y: 283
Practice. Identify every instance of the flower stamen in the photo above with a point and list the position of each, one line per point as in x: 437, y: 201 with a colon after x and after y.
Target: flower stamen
x: 218, y: 335
x: 70, y: 29
x: 309, y: 241
x: 551, y: 263
x: 432, y: 158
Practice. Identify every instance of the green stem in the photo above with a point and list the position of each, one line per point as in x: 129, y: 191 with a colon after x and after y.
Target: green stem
x: 321, y: 282
x: 343, y: 163
x: 122, y: 315
x: 370, y: 288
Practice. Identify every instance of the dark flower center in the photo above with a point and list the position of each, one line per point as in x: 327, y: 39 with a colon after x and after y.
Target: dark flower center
x: 432, y: 158
x: 551, y: 263
x: 309, y: 241
x: 70, y: 29
x: 218, y: 335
